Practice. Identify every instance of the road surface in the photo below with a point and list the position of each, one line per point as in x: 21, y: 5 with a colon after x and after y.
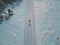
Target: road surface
x: 30, y: 38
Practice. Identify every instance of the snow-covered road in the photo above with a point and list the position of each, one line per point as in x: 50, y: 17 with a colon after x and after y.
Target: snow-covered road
x: 30, y: 34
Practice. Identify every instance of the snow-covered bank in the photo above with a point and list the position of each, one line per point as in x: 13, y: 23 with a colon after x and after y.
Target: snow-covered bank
x: 47, y: 17
x: 12, y: 30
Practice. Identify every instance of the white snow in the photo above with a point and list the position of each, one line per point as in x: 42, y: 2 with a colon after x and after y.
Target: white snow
x: 12, y: 30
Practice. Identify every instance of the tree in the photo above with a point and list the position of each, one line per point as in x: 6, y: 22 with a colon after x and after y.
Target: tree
x: 7, y: 1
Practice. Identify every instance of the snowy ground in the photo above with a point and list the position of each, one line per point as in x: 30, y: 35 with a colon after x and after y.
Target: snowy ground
x: 12, y: 30
x: 47, y: 17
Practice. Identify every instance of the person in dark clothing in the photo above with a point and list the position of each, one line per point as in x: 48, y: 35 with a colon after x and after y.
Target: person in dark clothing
x: 29, y: 22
